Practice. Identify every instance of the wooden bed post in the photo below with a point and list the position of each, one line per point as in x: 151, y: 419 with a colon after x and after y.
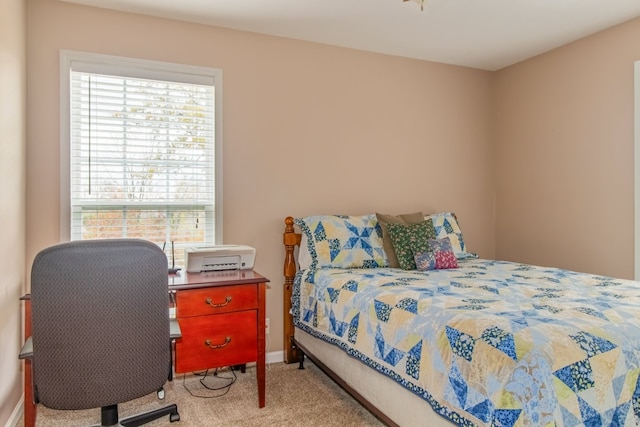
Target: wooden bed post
x: 291, y: 239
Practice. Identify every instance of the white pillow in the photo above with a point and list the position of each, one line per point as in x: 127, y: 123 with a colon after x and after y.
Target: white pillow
x: 304, y: 257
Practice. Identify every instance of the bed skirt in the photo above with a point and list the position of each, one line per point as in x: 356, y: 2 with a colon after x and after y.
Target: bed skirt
x: 399, y: 404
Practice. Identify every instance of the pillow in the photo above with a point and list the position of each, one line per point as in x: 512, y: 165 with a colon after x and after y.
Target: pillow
x: 340, y: 241
x: 446, y: 225
x: 439, y: 256
x: 409, y: 239
x: 304, y: 257
x: 383, y: 220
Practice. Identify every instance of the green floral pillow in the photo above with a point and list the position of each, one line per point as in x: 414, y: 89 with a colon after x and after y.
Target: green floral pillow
x: 383, y: 220
x: 410, y: 239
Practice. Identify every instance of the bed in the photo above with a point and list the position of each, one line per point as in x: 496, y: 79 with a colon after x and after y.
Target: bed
x: 486, y: 342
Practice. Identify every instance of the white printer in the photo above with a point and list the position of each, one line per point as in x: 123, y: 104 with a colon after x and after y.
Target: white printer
x: 220, y: 257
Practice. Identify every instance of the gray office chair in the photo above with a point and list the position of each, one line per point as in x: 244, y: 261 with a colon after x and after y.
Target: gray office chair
x: 100, y: 327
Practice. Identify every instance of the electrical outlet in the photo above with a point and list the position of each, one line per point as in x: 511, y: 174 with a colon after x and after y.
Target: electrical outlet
x: 266, y: 324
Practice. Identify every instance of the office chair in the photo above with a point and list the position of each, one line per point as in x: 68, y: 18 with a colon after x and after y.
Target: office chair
x: 100, y: 327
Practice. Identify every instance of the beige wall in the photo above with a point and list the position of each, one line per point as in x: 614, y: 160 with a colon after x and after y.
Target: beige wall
x: 563, y: 127
x: 12, y: 205
x: 308, y: 129
x: 544, y: 148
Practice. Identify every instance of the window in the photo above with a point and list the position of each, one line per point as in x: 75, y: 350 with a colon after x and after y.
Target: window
x: 141, y: 150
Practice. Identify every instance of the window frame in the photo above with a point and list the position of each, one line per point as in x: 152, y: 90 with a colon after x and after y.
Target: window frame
x: 132, y: 67
x: 636, y: 184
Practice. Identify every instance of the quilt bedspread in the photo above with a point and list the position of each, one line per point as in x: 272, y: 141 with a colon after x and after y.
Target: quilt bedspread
x: 490, y: 343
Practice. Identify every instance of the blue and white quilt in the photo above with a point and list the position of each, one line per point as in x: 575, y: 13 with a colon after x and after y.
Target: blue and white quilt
x: 490, y: 343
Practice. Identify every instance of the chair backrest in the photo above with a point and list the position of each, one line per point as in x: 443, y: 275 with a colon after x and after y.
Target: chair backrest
x: 100, y: 322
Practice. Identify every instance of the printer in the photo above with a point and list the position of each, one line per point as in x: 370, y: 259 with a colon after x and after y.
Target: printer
x: 199, y: 259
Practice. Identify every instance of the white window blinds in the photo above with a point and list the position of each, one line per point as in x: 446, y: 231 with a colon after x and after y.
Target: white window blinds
x: 142, y: 158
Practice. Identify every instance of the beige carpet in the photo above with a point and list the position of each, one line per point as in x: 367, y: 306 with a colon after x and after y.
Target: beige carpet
x: 293, y: 398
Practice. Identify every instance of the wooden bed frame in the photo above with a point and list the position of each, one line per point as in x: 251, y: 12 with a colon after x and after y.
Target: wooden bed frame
x: 291, y: 239
x: 294, y: 352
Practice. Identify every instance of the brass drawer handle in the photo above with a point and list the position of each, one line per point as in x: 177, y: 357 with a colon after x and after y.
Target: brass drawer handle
x: 222, y: 304
x: 226, y: 342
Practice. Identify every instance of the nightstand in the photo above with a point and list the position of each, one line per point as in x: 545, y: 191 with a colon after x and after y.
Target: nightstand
x: 222, y: 320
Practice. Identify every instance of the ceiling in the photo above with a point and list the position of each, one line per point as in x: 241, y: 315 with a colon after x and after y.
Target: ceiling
x: 484, y: 34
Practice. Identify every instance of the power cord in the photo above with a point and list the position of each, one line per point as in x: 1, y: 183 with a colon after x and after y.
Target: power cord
x: 228, y: 381
x: 266, y: 350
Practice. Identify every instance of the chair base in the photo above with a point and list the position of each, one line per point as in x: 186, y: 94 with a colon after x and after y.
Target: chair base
x: 109, y: 416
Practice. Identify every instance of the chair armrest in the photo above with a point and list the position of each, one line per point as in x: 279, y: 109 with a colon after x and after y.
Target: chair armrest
x: 27, y: 350
x: 174, y: 329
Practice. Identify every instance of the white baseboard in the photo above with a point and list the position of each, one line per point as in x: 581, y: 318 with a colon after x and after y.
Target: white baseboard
x: 271, y: 357
x: 275, y: 357
x: 16, y: 414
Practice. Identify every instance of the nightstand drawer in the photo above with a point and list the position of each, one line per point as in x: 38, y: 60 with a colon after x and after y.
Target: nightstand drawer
x: 216, y: 341
x: 221, y: 299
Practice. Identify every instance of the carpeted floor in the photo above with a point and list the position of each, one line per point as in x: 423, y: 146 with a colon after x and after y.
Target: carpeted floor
x: 293, y: 398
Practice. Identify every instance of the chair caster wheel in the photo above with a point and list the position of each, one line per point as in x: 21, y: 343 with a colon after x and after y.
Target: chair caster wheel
x: 174, y: 417
x: 160, y: 394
